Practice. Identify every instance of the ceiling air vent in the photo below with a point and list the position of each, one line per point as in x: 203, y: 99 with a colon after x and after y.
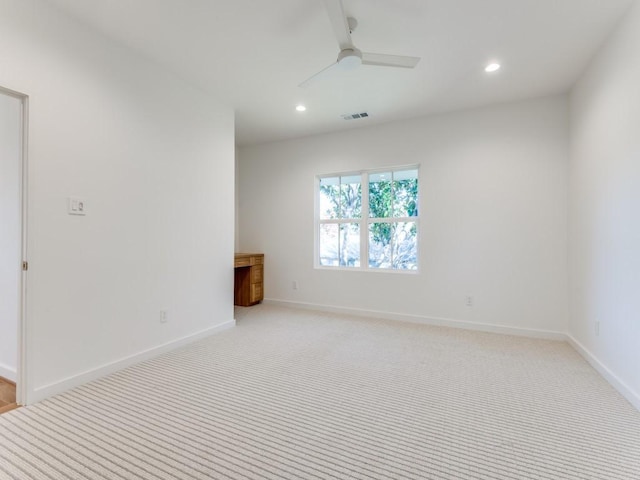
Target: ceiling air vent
x: 353, y: 116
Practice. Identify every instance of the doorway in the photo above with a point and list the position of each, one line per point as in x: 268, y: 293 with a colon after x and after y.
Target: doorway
x: 12, y: 244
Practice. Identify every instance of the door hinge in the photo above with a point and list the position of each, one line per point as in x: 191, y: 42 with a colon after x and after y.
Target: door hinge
x: 25, y: 266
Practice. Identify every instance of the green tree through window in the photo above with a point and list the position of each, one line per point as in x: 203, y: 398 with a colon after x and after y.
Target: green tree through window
x: 341, y: 207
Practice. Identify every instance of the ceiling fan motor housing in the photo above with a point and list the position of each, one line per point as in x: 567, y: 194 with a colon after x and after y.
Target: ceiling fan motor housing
x: 350, y: 58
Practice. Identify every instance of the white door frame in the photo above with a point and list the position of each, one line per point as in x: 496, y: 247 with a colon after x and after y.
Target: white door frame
x: 21, y: 374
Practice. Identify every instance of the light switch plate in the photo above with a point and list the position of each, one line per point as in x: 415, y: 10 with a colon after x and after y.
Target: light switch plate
x: 77, y: 206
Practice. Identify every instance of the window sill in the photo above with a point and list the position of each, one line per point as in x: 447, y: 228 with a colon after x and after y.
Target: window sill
x: 367, y: 270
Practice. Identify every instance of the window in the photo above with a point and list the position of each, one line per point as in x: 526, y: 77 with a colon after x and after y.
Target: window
x: 375, y: 227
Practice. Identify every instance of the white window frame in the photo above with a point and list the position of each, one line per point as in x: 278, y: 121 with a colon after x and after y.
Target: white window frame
x: 364, y: 221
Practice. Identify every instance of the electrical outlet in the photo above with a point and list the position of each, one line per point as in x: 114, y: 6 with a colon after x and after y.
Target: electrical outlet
x: 468, y: 301
x: 294, y: 285
x: 596, y: 328
x: 164, y: 316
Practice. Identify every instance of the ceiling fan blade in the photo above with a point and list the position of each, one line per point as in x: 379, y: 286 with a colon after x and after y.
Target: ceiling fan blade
x: 321, y: 74
x: 383, y: 60
x: 339, y: 23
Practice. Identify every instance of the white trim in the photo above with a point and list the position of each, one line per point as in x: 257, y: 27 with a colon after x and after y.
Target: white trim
x: 12, y: 93
x: 8, y: 373
x: 435, y: 321
x: 609, y: 376
x: 22, y: 384
x: 70, y: 382
x: 20, y: 374
x: 394, y: 271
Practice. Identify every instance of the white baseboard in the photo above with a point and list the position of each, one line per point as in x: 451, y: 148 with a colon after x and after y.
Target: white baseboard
x: 8, y: 372
x: 63, y: 385
x: 609, y: 376
x: 435, y: 321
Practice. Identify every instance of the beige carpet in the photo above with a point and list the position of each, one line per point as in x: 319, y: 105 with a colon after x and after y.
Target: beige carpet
x: 297, y: 395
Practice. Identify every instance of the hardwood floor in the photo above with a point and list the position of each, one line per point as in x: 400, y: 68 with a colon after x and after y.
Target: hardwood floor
x: 7, y: 395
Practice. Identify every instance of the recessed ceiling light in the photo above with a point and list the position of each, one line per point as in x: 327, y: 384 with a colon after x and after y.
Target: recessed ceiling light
x: 301, y: 108
x: 492, y: 67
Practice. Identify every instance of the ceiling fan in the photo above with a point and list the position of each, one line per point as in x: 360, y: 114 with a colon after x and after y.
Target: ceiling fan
x: 351, y: 57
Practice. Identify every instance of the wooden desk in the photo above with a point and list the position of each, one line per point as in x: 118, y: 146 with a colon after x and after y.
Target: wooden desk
x: 249, y: 279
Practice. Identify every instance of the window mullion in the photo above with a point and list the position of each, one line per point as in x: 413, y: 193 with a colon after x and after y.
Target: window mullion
x: 364, y: 223
x: 393, y: 214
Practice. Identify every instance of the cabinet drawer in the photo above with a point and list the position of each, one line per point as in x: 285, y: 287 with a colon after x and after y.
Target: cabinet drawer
x: 257, y: 271
x: 256, y: 292
x: 243, y: 261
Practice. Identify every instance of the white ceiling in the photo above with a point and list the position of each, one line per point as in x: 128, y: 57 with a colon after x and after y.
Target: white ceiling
x: 254, y: 53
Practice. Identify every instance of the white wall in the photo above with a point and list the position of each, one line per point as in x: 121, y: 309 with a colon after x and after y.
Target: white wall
x: 10, y: 232
x: 493, y: 212
x: 605, y: 209
x: 154, y: 160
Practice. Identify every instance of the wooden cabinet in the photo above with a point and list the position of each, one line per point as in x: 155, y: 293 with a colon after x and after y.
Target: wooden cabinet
x: 249, y: 279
